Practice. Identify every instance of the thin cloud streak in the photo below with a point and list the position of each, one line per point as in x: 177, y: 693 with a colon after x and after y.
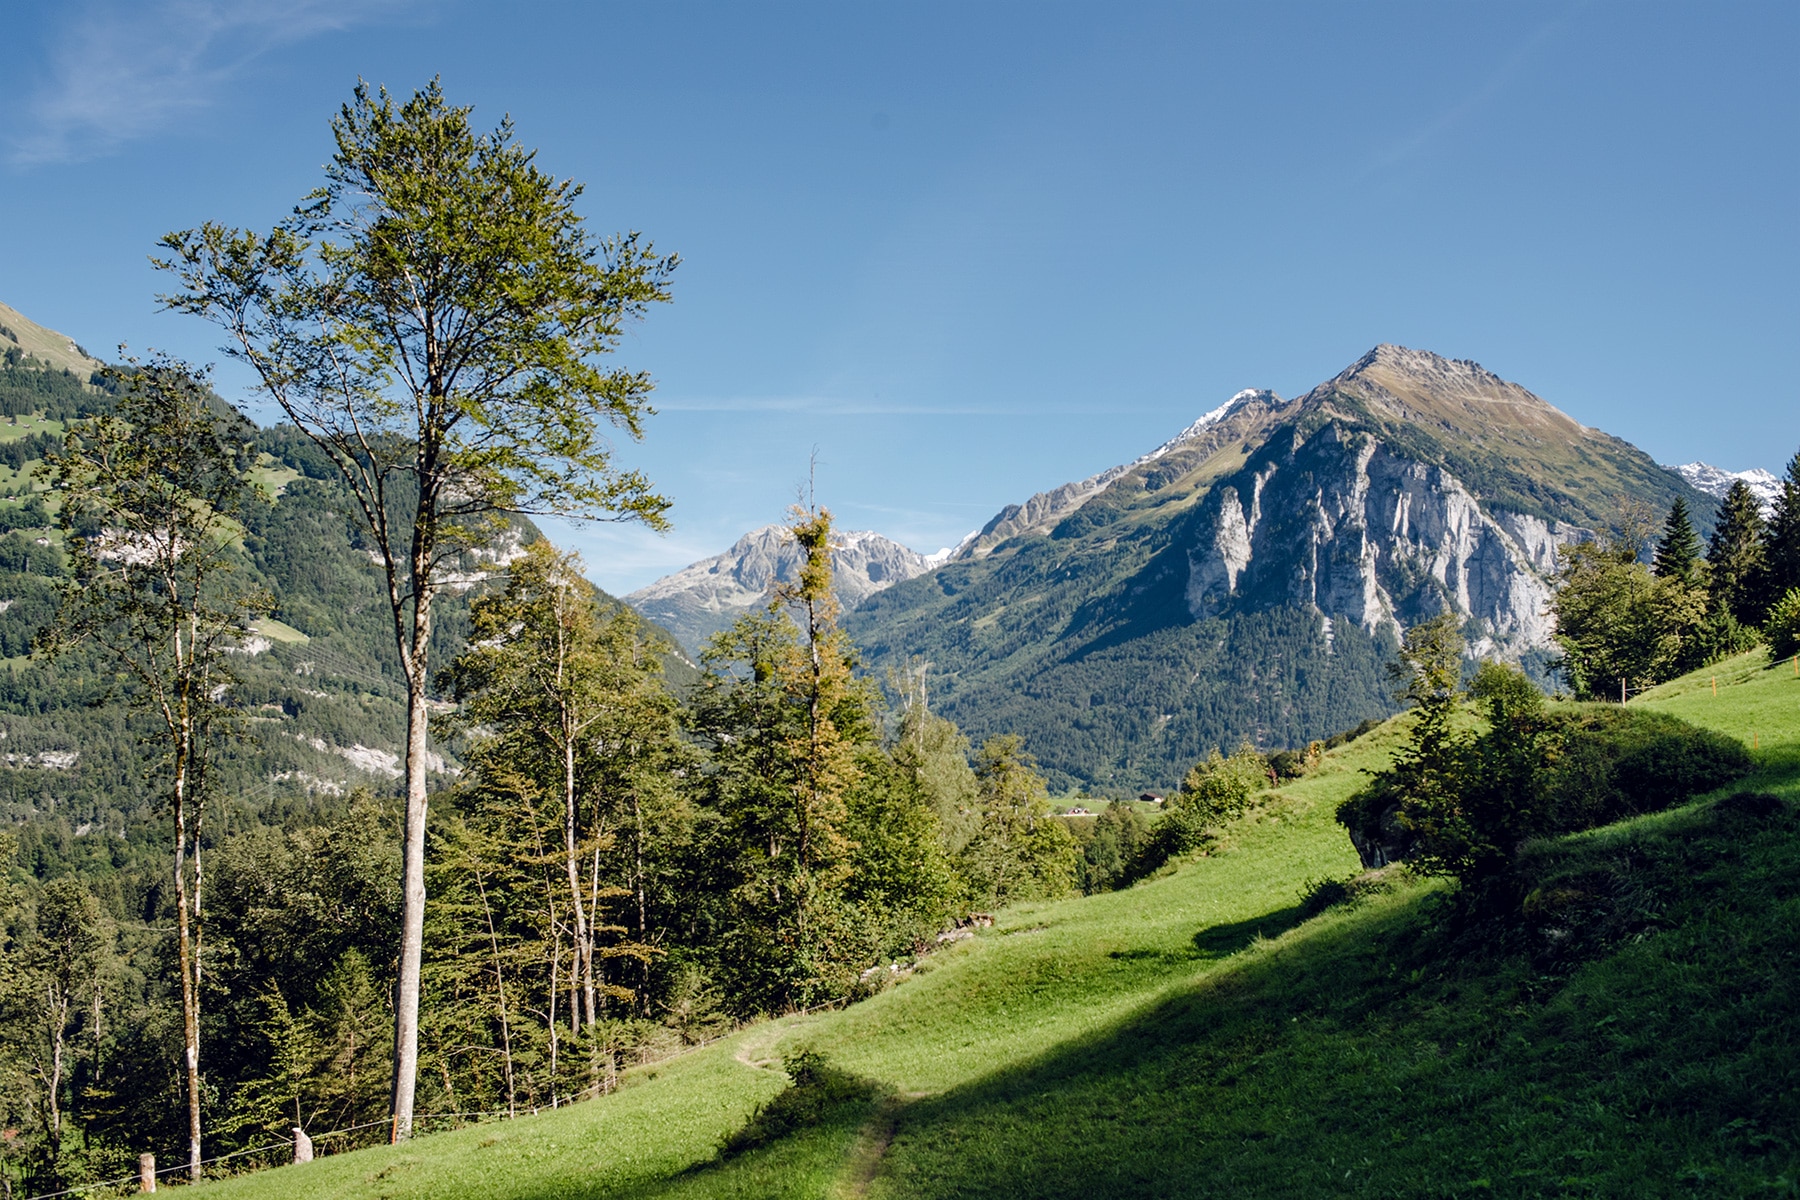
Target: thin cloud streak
x: 120, y: 72
x: 1496, y: 81
x: 826, y: 406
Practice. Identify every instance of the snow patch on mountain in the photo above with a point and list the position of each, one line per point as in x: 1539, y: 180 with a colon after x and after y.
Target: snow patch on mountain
x: 699, y: 600
x: 1716, y: 481
x: 1247, y: 396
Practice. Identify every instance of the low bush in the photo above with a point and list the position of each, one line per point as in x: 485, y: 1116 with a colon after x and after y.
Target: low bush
x: 1215, y: 791
x: 1782, y: 626
x: 817, y: 1088
x: 1535, y: 772
x: 1321, y: 894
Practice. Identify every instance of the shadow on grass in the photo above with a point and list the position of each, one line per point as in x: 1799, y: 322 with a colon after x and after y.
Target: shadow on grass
x: 1222, y: 941
x: 1361, y: 1058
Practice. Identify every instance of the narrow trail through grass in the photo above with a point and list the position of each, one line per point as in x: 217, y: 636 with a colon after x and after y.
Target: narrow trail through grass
x: 1195, y: 1036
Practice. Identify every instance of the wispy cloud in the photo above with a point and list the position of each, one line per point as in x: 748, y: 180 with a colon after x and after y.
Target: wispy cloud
x: 1482, y: 94
x: 833, y: 406
x: 120, y: 71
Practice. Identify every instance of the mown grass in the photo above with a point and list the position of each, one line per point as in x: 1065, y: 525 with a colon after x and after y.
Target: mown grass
x: 1633, y: 1034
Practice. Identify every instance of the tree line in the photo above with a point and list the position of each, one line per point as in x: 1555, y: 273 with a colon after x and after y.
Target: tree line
x: 1625, y: 624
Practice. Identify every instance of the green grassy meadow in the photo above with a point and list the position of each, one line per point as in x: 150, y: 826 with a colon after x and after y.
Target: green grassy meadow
x: 1635, y: 1035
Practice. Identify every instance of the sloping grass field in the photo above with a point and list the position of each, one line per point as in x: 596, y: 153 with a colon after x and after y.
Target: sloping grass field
x: 1634, y: 1033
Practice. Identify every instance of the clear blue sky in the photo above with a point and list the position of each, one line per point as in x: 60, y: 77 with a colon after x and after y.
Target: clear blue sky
x: 973, y: 250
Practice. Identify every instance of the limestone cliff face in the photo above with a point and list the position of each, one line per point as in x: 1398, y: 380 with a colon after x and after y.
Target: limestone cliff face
x: 1343, y: 523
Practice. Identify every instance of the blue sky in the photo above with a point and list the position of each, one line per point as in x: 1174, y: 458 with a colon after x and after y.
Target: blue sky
x: 973, y: 250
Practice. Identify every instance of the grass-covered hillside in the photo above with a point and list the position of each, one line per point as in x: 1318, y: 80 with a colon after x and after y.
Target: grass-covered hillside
x: 1631, y: 1030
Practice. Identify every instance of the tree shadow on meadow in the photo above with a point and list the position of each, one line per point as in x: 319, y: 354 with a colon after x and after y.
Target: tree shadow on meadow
x: 1386, y: 1054
x: 1222, y: 941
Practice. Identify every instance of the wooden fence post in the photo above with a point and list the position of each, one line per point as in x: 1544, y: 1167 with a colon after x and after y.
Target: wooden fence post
x: 146, y: 1172
x: 302, y: 1146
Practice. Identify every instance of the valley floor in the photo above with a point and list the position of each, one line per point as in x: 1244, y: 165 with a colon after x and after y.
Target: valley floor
x: 1197, y: 1036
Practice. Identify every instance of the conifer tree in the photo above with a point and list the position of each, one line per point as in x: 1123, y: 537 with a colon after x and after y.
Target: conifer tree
x: 1679, y: 550
x: 1736, y: 557
x: 786, y: 719
x: 1783, y: 546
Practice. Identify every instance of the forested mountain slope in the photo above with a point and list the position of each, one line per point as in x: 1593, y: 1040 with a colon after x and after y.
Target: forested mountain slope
x: 322, y: 705
x: 1244, y: 580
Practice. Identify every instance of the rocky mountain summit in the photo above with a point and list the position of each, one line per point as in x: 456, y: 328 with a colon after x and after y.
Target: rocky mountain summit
x: 1249, y: 577
x: 699, y: 600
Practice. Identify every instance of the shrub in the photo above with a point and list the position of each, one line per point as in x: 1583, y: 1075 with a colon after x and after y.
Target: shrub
x: 1537, y: 771
x: 1319, y: 895
x: 1782, y: 627
x: 817, y: 1087
x: 1617, y: 762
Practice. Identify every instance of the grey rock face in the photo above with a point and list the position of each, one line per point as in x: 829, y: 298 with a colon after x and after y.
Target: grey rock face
x: 700, y: 600
x: 1340, y: 523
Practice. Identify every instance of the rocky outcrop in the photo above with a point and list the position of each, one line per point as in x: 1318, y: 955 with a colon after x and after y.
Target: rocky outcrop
x: 1339, y: 522
x: 700, y: 600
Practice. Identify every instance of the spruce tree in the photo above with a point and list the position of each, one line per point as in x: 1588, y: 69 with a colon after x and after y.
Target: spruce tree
x: 1783, y: 546
x: 1736, y: 556
x: 1679, y: 549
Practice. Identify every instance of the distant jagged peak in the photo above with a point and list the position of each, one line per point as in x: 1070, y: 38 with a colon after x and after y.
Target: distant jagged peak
x: 864, y: 561
x: 1716, y: 481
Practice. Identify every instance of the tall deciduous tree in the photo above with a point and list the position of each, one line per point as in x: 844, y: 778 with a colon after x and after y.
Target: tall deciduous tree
x: 434, y: 317
x: 1019, y: 851
x: 149, y: 496
x: 580, y: 719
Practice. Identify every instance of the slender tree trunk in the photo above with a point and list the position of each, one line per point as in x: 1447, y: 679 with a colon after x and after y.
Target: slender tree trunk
x: 412, y: 869
x: 643, y: 922
x: 56, y: 1006
x: 188, y: 962
x: 500, y: 990
x: 584, y: 934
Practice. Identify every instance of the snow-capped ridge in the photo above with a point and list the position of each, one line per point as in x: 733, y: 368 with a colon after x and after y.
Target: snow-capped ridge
x: 1716, y: 481
x: 1241, y: 399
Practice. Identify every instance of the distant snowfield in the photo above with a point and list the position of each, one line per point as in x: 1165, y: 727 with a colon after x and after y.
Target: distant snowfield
x: 1716, y: 481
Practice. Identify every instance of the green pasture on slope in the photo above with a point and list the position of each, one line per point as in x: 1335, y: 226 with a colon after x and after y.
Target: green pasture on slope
x: 1194, y: 1036
x: 1043, y: 975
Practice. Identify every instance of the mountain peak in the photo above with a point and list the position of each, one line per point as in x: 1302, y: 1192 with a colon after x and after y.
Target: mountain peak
x: 1716, y: 481
x: 699, y: 600
x: 1420, y: 388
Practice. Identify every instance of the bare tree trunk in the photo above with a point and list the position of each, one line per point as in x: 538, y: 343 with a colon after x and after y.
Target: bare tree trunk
x: 412, y: 868
x: 584, y: 933
x: 500, y: 989
x: 643, y: 922
x: 188, y: 961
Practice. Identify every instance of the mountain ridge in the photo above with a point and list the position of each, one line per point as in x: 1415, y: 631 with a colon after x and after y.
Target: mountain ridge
x: 1248, y: 579
x: 709, y: 595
